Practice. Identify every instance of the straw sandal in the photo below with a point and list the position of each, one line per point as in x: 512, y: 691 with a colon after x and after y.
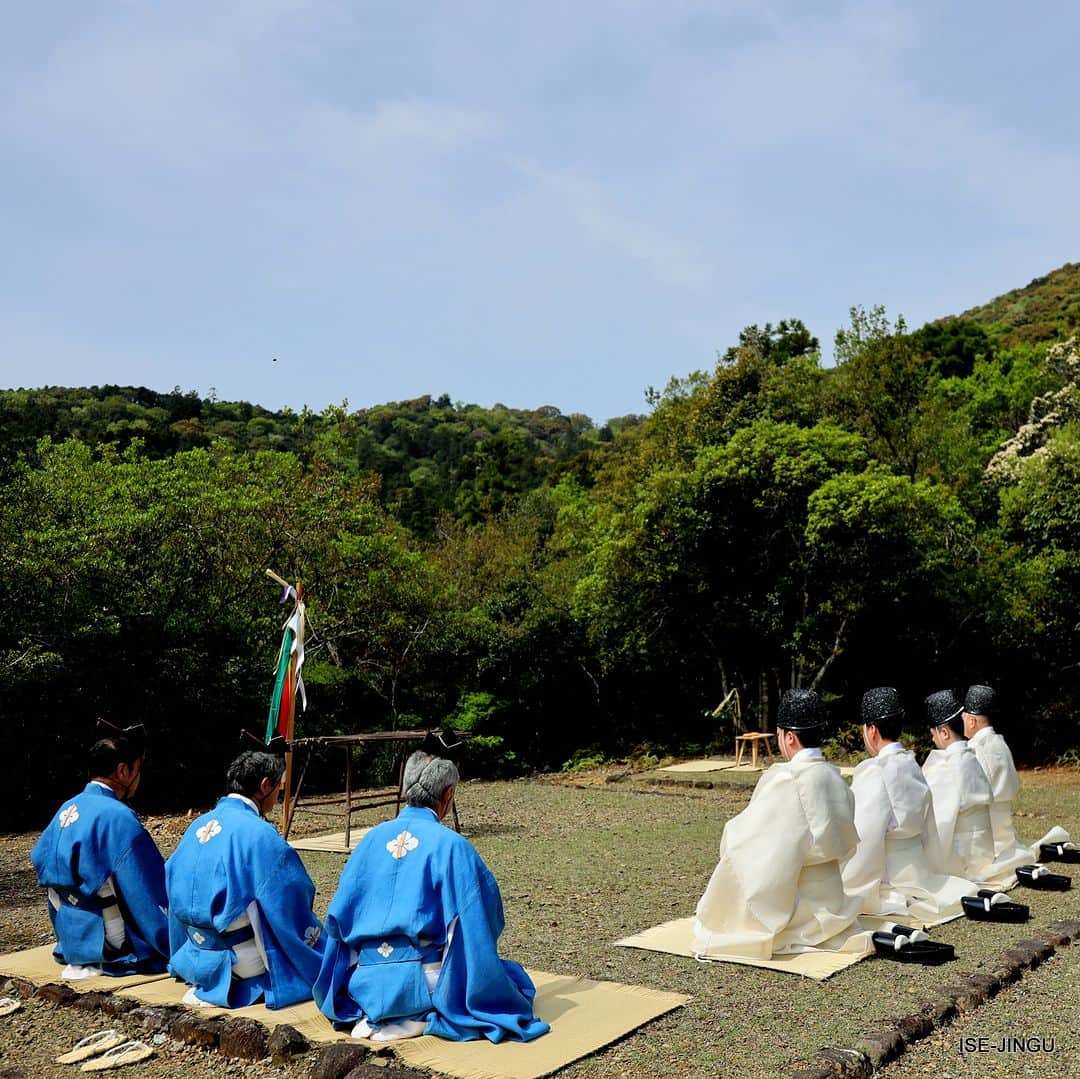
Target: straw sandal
x: 128, y: 1053
x: 9, y: 1005
x: 91, y: 1046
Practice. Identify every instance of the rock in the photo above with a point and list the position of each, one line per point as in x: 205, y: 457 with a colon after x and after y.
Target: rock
x: 1005, y: 973
x: 336, y: 1061
x: 1028, y: 953
x: 914, y: 1027
x: 159, y: 1020
x: 54, y: 993
x: 21, y: 986
x: 852, y: 1062
x: 243, y: 1038
x: 13, y: 1072
x: 285, y: 1043
x: 816, y: 1072
x: 90, y: 1002
x: 1041, y: 950
x: 195, y: 1030
x: 939, y: 1010
x: 1069, y: 928
x: 881, y: 1045
x: 1057, y: 938
x: 114, y: 1005
x: 974, y: 991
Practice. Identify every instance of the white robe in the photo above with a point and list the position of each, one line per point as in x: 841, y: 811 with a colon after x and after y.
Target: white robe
x: 997, y: 762
x: 777, y: 886
x: 898, y: 868
x: 962, y: 812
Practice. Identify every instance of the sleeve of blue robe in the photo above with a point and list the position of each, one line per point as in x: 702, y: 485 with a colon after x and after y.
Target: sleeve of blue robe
x: 140, y: 880
x: 478, y: 994
x: 291, y: 933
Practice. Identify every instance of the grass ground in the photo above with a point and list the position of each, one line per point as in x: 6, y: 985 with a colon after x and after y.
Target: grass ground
x: 581, y: 865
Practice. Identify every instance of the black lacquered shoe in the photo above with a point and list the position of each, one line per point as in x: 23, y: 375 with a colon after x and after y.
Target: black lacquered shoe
x: 1038, y: 876
x: 903, y: 949
x: 990, y: 906
x: 1060, y: 852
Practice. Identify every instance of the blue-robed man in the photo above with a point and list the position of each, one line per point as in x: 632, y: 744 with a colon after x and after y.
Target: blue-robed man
x: 104, y: 876
x: 412, y: 932
x: 240, y: 919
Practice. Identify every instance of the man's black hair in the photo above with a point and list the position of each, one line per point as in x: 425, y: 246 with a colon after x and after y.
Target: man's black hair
x: 889, y: 727
x: 246, y: 773
x: 811, y: 737
x: 107, y: 754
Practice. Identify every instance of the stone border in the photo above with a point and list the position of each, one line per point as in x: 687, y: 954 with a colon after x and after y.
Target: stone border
x: 885, y: 1040
x: 246, y: 1039
x: 237, y: 1038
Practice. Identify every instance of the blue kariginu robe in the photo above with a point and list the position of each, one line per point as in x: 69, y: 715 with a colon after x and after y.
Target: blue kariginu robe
x: 415, y: 894
x: 232, y: 865
x: 96, y: 839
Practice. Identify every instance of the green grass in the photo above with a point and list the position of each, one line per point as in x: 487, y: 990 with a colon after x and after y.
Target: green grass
x: 580, y: 867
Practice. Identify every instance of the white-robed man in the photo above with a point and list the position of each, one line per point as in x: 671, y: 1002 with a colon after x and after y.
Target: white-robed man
x: 412, y: 931
x: 777, y: 887
x: 897, y: 868
x: 104, y: 877
x: 980, y: 707
x: 240, y: 920
x: 961, y: 797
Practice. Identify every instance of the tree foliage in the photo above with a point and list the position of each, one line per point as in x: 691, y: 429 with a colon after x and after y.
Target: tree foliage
x: 905, y: 516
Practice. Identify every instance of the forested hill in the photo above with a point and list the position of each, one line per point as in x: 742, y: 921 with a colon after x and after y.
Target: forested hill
x: 906, y: 516
x: 430, y: 455
x: 1047, y: 309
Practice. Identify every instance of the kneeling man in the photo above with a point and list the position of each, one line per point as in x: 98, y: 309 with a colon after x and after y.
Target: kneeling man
x: 961, y: 797
x: 104, y: 875
x: 240, y: 919
x: 980, y: 709
x: 412, y: 932
x: 898, y: 868
x: 777, y: 887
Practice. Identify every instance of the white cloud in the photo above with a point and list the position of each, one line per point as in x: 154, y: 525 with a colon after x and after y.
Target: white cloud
x: 581, y: 217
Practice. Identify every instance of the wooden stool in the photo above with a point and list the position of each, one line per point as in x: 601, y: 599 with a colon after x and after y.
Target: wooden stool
x: 741, y: 742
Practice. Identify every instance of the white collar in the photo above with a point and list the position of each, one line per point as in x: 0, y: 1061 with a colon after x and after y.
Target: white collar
x: 103, y: 786
x: 957, y: 747
x: 987, y: 731
x: 891, y: 747
x: 809, y: 753
x: 245, y: 798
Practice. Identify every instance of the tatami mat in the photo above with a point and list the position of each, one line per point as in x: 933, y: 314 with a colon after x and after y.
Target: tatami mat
x: 333, y: 843
x: 676, y: 938
x: 584, y: 1016
x: 38, y: 966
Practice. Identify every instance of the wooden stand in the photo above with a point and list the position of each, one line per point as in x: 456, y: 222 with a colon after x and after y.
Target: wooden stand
x: 353, y: 801
x: 753, y: 740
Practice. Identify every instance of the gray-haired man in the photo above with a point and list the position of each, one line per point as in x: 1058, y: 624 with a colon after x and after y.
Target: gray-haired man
x: 412, y: 932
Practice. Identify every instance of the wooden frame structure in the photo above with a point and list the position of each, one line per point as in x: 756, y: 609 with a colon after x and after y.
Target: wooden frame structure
x: 354, y: 800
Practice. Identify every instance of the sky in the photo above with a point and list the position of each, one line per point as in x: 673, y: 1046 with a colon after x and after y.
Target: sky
x: 532, y: 203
